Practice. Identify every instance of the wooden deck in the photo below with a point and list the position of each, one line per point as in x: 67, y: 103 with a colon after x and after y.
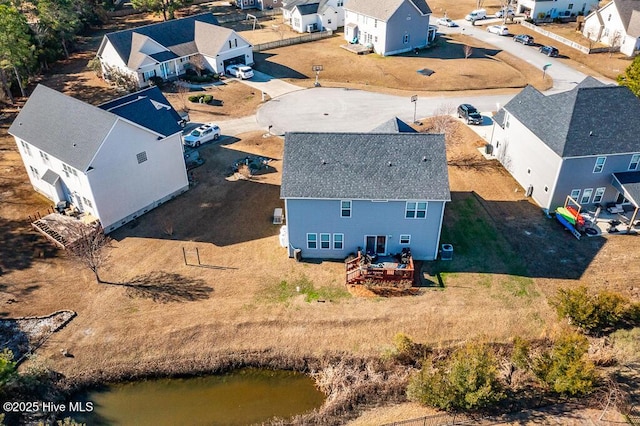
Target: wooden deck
x: 358, y: 271
x: 358, y: 49
x: 63, y: 230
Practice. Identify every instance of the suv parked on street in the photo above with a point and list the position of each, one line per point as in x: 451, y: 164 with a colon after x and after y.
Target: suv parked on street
x: 524, y: 39
x: 549, y: 51
x: 469, y: 114
x: 202, y: 134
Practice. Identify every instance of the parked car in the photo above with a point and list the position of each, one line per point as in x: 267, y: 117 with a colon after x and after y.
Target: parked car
x: 524, y: 39
x: 498, y: 29
x: 240, y: 71
x: 470, y: 114
x: 446, y: 22
x: 476, y: 14
x: 510, y: 13
x: 205, y: 133
x: 549, y: 51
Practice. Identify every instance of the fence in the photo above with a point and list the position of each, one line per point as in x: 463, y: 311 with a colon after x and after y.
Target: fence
x: 566, y: 41
x: 634, y: 416
x: 438, y: 420
x: 295, y: 40
x: 235, y: 17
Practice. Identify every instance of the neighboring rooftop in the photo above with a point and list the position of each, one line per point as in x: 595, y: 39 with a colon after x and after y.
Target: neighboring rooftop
x: 384, y: 9
x: 400, y: 166
x: 591, y: 119
x: 629, y: 11
x: 395, y: 125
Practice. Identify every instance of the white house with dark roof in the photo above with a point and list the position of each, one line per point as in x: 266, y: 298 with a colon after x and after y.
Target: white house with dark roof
x: 257, y: 4
x: 164, y: 49
x: 583, y: 143
x: 390, y: 27
x: 615, y: 24
x: 546, y: 9
x: 313, y: 15
x: 378, y: 192
x: 114, y: 162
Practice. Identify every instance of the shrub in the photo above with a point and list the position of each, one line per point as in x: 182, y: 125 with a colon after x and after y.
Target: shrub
x: 594, y: 313
x: 207, y: 98
x: 564, y: 367
x: 7, y: 367
x: 465, y: 381
x: 156, y: 81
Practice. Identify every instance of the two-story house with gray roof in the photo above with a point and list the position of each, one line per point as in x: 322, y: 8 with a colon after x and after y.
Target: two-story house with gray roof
x: 378, y: 192
x: 165, y: 49
x: 389, y: 27
x: 581, y: 143
x: 615, y: 24
x: 114, y: 162
x: 313, y: 15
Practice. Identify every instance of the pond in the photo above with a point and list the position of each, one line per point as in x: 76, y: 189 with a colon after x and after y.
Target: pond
x: 241, y: 397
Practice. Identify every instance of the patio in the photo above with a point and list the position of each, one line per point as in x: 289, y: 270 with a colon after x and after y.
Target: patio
x: 384, y: 269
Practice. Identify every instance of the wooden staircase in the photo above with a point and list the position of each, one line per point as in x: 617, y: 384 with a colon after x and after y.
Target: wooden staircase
x: 51, y: 234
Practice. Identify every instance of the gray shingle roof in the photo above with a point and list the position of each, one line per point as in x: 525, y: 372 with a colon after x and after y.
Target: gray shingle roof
x: 591, y: 119
x: 63, y: 127
x: 395, y: 125
x: 356, y: 166
x: 148, y: 108
x: 50, y: 177
x: 383, y: 9
x: 631, y: 183
x: 177, y: 32
x: 630, y: 20
x: 308, y: 9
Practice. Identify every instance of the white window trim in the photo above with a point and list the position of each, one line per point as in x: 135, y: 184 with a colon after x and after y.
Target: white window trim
x: 577, y: 197
x: 416, y: 210
x: 327, y: 241
x: 407, y: 237
x: 350, y: 208
x: 599, y: 165
x: 309, y: 241
x: 590, y: 191
x: 637, y: 158
x: 340, y: 242
x: 599, y: 193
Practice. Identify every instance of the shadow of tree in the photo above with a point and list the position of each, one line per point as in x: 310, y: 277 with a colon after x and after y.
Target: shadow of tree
x: 21, y: 245
x: 165, y: 287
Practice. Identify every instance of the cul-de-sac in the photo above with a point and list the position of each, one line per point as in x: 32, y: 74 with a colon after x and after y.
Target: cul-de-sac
x: 329, y: 212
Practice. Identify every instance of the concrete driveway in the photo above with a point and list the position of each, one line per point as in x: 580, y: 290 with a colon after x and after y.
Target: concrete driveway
x: 270, y: 85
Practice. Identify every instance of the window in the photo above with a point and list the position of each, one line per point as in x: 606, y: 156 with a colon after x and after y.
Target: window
x: 68, y: 171
x: 338, y: 241
x: 87, y: 202
x: 375, y: 39
x: 416, y: 210
x: 325, y: 241
x: 405, y: 239
x: 328, y: 21
x: 45, y: 157
x: 546, y: 189
x: 570, y: 6
x: 586, y: 196
x: 599, y: 164
x: 375, y: 23
x: 312, y: 241
x: 340, y: 3
x: 609, y: 18
x: 34, y: 172
x: 598, y: 195
x: 633, y: 164
x: 236, y: 42
x: 575, y: 194
x: 405, y: 39
x: 142, y: 157
x: 345, y: 208
x: 230, y: 44
x: 26, y: 148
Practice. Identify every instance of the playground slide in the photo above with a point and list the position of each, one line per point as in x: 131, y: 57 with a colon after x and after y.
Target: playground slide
x: 566, y: 214
x: 576, y: 215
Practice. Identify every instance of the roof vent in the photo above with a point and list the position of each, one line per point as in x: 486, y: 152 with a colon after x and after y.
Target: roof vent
x: 389, y: 163
x: 74, y: 144
x: 591, y: 133
x: 324, y: 162
x: 424, y: 158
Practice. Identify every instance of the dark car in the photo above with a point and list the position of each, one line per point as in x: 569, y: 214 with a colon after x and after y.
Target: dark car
x: 524, y: 39
x: 469, y: 114
x: 549, y: 51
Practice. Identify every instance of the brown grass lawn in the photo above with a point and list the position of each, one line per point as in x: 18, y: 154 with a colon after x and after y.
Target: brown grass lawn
x: 487, y: 68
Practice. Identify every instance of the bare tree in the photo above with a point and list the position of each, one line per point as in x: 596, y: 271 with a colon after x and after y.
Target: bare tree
x: 90, y: 248
x: 468, y: 51
x: 121, y: 79
x: 198, y: 63
x: 614, y: 42
x: 182, y: 96
x: 280, y: 29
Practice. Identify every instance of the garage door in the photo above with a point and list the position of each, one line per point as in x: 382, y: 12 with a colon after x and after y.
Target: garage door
x: 233, y: 61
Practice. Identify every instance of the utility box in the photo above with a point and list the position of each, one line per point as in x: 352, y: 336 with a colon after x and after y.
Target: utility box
x: 447, y: 252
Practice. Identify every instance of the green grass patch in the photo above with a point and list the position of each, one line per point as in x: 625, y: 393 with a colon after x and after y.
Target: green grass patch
x: 281, y: 292
x: 520, y: 287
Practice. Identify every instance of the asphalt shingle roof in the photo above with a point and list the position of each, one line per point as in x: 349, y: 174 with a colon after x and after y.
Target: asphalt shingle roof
x: 591, y: 119
x: 63, y: 127
x: 629, y: 11
x: 177, y: 32
x: 395, y: 125
x: 148, y: 108
x: 308, y: 9
x: 384, y: 9
x: 631, y: 183
x: 356, y: 166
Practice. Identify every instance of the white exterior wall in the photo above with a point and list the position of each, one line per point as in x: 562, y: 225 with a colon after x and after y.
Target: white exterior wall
x: 529, y: 160
x: 630, y: 45
x: 556, y: 8
x: 111, y: 58
x: 70, y: 187
x: 243, y: 48
x: 299, y: 22
x: 124, y: 189
x: 330, y: 19
x: 366, y: 25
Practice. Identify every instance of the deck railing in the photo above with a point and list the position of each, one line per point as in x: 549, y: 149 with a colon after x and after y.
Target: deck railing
x: 358, y: 272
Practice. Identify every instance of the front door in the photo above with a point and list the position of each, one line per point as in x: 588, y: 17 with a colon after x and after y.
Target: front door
x: 376, y: 244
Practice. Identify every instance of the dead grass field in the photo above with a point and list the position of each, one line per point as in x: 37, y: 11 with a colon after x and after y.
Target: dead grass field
x: 486, y: 68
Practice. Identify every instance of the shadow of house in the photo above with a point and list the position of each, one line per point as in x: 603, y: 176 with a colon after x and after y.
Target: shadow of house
x: 216, y: 210
x: 511, y: 237
x: 265, y: 65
